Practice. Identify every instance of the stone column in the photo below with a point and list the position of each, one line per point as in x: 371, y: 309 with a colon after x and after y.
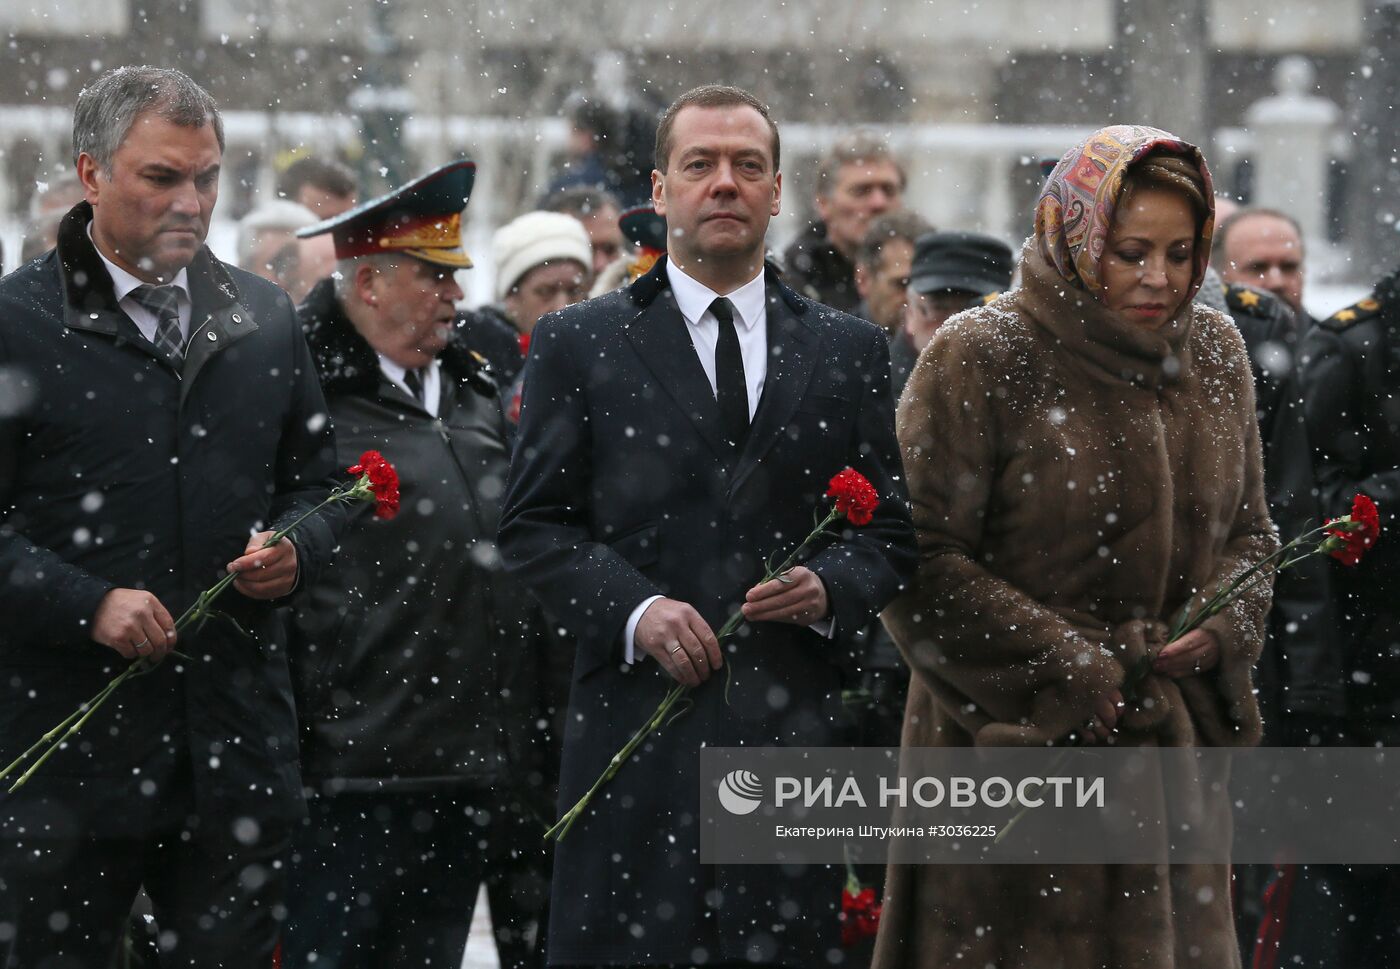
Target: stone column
x: 1374, y: 174
x: 1293, y: 132
x: 1161, y: 50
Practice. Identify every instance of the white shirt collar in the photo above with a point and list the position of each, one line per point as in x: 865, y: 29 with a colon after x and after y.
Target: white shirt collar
x: 694, y: 298
x: 123, y: 282
x: 397, y: 372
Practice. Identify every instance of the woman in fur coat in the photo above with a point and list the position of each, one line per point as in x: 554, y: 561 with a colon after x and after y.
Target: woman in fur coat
x: 1083, y: 460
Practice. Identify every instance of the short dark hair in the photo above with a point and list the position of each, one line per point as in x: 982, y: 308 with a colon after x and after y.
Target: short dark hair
x: 323, y: 173
x: 108, y: 107
x: 1222, y: 231
x: 580, y: 202
x: 709, y: 96
x: 902, y: 224
x: 859, y: 146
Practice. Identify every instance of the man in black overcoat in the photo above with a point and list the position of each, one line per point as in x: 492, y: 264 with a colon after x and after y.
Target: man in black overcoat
x: 674, y: 435
x: 160, y: 418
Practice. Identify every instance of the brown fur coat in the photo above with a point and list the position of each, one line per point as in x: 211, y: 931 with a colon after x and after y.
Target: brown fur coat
x: 1075, y: 481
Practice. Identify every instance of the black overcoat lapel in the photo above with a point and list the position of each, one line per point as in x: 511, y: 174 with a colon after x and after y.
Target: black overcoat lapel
x: 662, y: 339
x: 793, y: 349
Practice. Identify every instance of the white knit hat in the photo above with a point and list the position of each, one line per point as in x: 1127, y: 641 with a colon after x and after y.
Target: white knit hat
x: 536, y: 237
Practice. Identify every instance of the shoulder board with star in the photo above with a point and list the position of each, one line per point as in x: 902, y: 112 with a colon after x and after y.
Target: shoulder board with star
x: 1243, y: 299
x: 985, y: 299
x: 483, y: 377
x: 1362, y: 309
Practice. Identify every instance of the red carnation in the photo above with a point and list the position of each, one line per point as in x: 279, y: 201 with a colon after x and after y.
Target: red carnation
x: 383, y: 482
x: 860, y: 915
x: 856, y: 497
x: 1357, y: 532
x: 524, y: 339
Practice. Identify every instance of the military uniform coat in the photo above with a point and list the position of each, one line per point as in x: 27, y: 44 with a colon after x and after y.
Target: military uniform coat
x: 419, y: 664
x: 1351, y: 385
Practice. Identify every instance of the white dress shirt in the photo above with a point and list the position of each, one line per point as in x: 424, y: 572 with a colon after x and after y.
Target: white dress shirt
x: 123, y: 283
x: 750, y: 302
x: 432, y: 381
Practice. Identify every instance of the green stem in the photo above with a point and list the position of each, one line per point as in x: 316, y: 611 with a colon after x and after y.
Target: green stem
x: 1184, y: 626
x: 197, y: 610
x: 562, y: 826
x: 658, y: 716
x: 1253, y: 576
x: 49, y: 737
x: 96, y: 704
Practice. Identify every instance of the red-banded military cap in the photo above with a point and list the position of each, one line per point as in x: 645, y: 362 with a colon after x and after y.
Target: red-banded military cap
x: 644, y: 227
x: 423, y: 219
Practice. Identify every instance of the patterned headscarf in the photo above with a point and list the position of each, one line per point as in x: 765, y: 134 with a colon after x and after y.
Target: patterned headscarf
x: 1075, y: 211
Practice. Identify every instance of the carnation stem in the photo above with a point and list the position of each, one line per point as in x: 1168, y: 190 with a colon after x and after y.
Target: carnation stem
x: 197, y: 611
x: 1246, y: 581
x: 658, y: 717
x: 92, y: 707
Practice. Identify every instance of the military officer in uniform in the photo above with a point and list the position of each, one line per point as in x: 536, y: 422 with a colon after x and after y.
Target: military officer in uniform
x: 1335, y: 915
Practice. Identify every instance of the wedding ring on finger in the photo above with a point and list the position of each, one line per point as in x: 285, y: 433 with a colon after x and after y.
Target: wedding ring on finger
x: 675, y: 648
x: 145, y: 643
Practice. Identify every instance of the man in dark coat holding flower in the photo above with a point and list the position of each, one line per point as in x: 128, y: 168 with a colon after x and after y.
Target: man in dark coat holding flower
x: 159, y: 418
x: 674, y: 435
x: 420, y: 667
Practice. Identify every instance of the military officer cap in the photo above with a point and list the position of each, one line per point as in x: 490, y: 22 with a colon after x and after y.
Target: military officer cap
x: 647, y: 231
x: 964, y: 261
x: 423, y: 219
x: 644, y: 228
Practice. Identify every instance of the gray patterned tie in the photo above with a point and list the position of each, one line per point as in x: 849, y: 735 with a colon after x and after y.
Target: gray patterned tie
x: 164, y: 302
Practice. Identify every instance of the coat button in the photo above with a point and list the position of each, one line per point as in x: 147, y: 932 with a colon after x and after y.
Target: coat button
x: 237, y: 318
x: 211, y: 336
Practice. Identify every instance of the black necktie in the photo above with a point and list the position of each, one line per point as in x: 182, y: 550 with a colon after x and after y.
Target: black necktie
x: 164, y: 304
x: 413, y: 379
x: 731, y: 389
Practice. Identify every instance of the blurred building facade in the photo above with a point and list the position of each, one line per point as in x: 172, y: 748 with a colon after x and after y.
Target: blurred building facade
x: 973, y: 92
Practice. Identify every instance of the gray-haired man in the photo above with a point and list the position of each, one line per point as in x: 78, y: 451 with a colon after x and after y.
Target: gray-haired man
x: 161, y: 416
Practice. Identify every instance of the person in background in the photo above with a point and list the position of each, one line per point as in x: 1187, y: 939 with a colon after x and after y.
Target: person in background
x: 645, y: 232
x: 542, y: 265
x: 592, y: 126
x: 1263, y: 249
x: 267, y: 242
x: 46, y: 211
x: 882, y: 268
x: 1302, y: 694
x: 858, y: 179
x: 543, y: 262
x: 324, y: 186
x: 1334, y: 916
x: 951, y: 272
x: 598, y: 211
x: 315, y: 261
x: 423, y: 688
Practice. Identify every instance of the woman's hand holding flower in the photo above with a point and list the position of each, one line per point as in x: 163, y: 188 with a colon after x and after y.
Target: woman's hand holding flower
x: 1198, y: 651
